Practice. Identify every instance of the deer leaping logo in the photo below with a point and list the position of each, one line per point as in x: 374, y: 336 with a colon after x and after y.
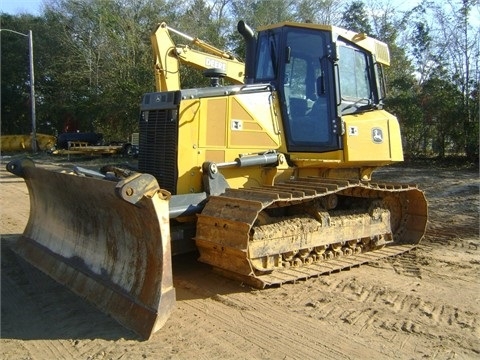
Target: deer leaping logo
x: 377, y: 135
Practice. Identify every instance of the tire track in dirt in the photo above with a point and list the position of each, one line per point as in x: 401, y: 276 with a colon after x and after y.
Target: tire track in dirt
x: 434, y: 315
x: 383, y: 307
x: 363, y: 303
x: 266, y: 323
x: 261, y: 319
x: 38, y: 313
x: 256, y: 328
x: 15, y: 293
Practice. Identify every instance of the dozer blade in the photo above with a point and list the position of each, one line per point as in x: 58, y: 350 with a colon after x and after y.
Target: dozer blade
x: 108, y: 242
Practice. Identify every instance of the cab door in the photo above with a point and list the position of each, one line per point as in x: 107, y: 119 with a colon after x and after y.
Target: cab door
x: 308, y: 92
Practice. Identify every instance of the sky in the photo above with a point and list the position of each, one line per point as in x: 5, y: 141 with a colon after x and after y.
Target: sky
x: 34, y: 7
x: 15, y: 7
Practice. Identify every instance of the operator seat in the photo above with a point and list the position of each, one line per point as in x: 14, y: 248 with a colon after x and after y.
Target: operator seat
x: 310, y: 126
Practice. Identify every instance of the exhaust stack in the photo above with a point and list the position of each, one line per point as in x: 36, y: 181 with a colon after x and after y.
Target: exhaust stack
x: 251, y: 42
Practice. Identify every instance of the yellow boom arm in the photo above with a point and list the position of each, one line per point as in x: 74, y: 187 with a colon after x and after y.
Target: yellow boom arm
x: 169, y: 55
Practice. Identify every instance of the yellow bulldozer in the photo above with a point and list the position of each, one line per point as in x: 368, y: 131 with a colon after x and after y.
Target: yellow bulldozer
x: 269, y: 177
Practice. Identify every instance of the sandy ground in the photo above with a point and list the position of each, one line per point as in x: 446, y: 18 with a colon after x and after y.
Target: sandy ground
x: 422, y: 305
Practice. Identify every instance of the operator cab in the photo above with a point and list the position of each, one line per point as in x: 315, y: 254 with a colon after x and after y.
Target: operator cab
x: 319, y: 79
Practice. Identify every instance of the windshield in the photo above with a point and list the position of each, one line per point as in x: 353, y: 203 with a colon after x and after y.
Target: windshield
x: 355, y: 81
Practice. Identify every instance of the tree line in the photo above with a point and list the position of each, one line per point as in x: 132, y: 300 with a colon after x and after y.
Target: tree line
x: 93, y: 61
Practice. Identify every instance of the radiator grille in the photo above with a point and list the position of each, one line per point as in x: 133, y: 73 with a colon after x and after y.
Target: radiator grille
x: 158, y: 147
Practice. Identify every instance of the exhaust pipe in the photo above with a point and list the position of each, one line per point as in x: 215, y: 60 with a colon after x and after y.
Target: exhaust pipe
x: 249, y: 36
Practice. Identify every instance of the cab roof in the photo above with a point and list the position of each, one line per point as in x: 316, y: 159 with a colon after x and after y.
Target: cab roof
x: 376, y: 47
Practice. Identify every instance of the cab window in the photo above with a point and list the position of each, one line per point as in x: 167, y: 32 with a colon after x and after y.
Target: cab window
x: 353, y: 73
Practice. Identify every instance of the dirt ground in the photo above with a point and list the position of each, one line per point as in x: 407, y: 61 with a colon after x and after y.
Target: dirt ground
x: 422, y: 305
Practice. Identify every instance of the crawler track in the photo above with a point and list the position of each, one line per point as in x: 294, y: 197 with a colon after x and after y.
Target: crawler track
x: 308, y: 227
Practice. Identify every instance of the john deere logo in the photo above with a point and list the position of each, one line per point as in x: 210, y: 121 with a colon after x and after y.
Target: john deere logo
x: 377, y: 135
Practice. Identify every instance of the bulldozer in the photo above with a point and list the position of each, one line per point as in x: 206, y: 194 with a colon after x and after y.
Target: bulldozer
x: 268, y: 177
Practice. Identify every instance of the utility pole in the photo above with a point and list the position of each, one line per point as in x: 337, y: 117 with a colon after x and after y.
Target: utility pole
x: 32, y: 85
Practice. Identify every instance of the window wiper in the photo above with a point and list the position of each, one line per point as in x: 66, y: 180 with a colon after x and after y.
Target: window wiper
x: 369, y: 105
